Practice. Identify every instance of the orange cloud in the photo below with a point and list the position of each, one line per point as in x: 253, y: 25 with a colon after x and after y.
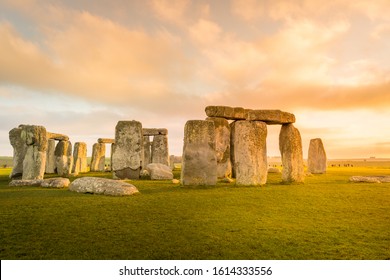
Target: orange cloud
x: 171, y: 10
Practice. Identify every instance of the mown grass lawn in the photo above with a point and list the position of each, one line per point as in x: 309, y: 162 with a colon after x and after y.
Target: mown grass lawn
x: 325, y: 218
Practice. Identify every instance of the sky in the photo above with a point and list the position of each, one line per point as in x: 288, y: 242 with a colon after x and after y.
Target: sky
x: 78, y: 67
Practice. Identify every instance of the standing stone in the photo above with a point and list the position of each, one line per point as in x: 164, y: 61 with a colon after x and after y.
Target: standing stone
x: 20, y: 148
x: 317, y: 157
x: 147, y: 152
x: 249, y: 152
x: 290, y: 145
x: 128, y: 150
x: 172, y: 162
x: 222, y: 146
x: 64, y: 159
x: 98, y: 157
x: 160, y: 153
x: 199, y: 165
x: 35, y: 159
x: 80, y: 158
x: 50, y: 157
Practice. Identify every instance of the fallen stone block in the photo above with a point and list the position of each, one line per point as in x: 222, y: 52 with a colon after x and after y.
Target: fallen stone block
x: 26, y: 183
x: 158, y: 171
x: 274, y: 170
x: 55, y: 183
x: 95, y: 185
x: 370, y: 179
x: 46, y: 183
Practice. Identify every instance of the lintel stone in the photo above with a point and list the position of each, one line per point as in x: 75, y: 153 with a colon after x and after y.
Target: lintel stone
x: 230, y: 113
x: 154, y: 131
x: 106, y: 141
x: 57, y: 136
x: 270, y: 116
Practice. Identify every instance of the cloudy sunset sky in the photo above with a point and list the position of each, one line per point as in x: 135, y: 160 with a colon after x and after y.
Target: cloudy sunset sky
x: 78, y: 67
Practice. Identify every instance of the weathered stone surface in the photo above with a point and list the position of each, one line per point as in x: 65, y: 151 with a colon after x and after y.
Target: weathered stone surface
x: 35, y: 159
x: 104, y: 186
x: 98, y: 157
x: 147, y: 152
x: 55, y: 183
x: 64, y: 159
x: 222, y: 146
x: 46, y: 183
x: 159, y: 171
x: 199, y: 165
x: 154, y: 131
x: 111, y: 151
x: 270, y: 116
x: 26, y: 183
x: 230, y: 113
x: 290, y: 145
x: 57, y: 136
x: 249, y: 152
x: 106, y: 141
x: 50, y: 157
x: 370, y: 179
x: 159, y: 149
x: 128, y: 150
x: 316, y: 162
x: 19, y: 151
x: 80, y: 163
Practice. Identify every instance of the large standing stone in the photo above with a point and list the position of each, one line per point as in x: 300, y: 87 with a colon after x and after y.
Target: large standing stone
x: 290, y: 145
x: 50, y: 157
x: 35, y: 159
x: 128, y: 150
x: 98, y: 157
x: 316, y: 161
x: 222, y: 146
x: 199, y: 165
x: 64, y: 159
x: 147, y: 152
x: 249, y: 152
x: 20, y: 148
x: 80, y: 163
x: 160, y: 153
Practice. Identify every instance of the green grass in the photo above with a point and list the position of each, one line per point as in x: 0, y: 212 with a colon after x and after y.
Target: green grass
x: 325, y: 218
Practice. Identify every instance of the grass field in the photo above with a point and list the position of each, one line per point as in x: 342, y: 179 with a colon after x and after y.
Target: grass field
x: 325, y: 218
